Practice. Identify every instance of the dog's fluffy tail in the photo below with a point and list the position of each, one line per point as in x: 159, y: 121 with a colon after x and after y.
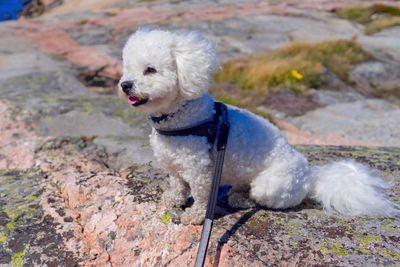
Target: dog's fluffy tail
x: 350, y: 188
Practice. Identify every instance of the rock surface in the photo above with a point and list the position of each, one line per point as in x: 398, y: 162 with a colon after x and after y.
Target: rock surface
x: 78, y: 182
x: 377, y: 79
x: 70, y: 209
x: 355, y: 120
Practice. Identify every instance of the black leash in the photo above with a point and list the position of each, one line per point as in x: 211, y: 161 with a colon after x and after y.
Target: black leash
x: 222, y: 139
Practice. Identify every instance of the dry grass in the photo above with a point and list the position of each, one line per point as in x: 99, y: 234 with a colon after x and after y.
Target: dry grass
x: 387, y: 16
x: 297, y: 66
x: 381, y: 23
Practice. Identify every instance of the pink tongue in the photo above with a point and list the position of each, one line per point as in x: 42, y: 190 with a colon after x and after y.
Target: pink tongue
x: 133, y: 100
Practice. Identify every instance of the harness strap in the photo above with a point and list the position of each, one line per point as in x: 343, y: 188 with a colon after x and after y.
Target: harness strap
x: 206, y: 128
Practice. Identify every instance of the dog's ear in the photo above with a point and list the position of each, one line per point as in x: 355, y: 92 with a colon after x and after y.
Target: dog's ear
x: 196, y: 59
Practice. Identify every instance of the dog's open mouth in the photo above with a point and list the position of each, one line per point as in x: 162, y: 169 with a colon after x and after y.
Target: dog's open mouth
x: 137, y: 101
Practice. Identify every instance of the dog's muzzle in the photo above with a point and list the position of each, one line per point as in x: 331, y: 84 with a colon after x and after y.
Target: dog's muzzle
x: 128, y: 87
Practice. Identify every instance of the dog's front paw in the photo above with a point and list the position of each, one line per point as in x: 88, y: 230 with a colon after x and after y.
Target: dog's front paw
x: 172, y: 199
x: 193, y: 215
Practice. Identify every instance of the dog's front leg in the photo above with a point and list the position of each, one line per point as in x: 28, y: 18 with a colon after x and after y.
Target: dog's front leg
x: 177, y: 194
x: 200, y: 186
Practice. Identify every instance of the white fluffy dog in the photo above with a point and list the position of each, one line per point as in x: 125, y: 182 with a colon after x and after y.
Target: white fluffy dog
x: 167, y: 75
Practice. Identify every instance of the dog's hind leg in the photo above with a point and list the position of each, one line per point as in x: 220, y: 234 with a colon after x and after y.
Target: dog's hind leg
x: 239, y: 197
x: 284, y: 183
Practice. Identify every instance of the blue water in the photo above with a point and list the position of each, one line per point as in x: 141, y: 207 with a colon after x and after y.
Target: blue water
x: 9, y: 9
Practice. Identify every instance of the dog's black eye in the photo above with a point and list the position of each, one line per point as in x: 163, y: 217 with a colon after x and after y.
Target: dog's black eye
x: 149, y: 70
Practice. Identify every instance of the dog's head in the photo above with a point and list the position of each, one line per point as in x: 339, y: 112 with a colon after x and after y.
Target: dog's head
x: 163, y: 69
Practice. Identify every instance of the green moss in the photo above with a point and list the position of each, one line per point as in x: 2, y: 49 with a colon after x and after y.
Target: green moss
x: 389, y: 253
x: 332, y: 247
x: 364, y: 250
x: 18, y: 258
x: 11, y: 226
x: 31, y: 197
x: 295, y: 225
x: 345, y: 223
x: 368, y: 239
x: 261, y: 217
x: 21, y: 202
x: 293, y: 233
x: 383, y: 253
x: 388, y: 227
x: 3, y: 238
x: 12, y: 214
x: 301, y: 245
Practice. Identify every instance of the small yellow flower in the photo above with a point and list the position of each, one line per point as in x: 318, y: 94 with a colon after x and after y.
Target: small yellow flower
x: 296, y: 74
x: 253, y: 70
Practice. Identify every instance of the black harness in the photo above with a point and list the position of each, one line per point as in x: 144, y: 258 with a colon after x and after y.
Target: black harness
x: 208, y: 128
x: 216, y: 128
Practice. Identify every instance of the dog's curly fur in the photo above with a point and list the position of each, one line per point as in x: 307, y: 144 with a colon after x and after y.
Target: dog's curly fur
x: 169, y: 73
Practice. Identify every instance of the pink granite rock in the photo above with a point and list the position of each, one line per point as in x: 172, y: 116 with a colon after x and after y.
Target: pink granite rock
x: 53, y: 39
x: 117, y: 230
x: 17, y: 143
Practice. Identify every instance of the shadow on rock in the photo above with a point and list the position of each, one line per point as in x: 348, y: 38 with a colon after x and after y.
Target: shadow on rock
x: 229, y: 233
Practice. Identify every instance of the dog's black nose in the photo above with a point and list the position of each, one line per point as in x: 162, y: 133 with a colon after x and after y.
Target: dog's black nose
x: 127, y: 87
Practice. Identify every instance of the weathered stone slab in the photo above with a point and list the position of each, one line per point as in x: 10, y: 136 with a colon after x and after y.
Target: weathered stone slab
x: 384, y: 45
x: 367, y: 120
x: 378, y: 79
